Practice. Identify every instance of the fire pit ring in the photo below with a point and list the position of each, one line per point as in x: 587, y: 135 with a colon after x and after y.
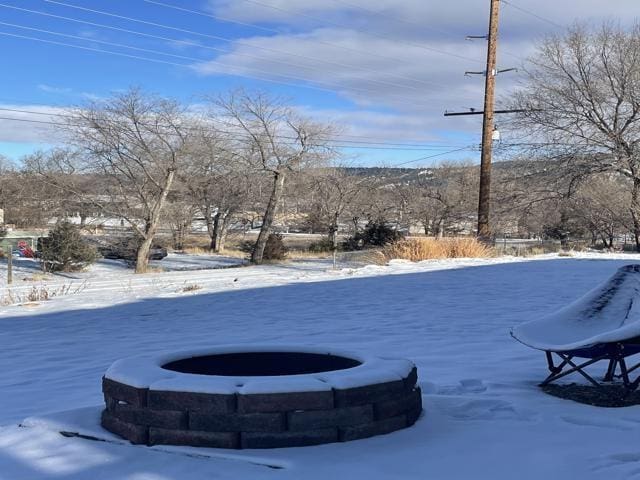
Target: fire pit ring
x: 258, y: 397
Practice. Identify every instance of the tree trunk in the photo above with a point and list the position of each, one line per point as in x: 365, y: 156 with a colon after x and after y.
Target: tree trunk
x: 210, y: 228
x: 635, y: 211
x: 333, y: 232
x: 142, y: 256
x: 151, y: 225
x: 269, y: 216
x: 223, y: 233
x: 215, y: 233
x: 221, y: 225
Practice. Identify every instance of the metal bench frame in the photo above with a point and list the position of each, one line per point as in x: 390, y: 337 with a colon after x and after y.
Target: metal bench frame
x: 615, y: 353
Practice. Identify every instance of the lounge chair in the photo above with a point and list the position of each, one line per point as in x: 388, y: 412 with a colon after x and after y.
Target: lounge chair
x: 604, y: 325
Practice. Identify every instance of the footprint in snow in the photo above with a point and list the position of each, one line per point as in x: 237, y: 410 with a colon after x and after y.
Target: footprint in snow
x: 599, y: 423
x: 484, y: 409
x: 628, y: 462
x: 468, y: 385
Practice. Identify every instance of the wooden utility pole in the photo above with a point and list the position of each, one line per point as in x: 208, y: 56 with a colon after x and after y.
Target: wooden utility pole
x: 10, y: 266
x: 484, y: 198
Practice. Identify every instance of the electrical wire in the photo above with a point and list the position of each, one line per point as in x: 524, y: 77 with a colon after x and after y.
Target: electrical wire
x: 419, y: 146
x: 404, y: 100
x: 235, y: 134
x: 339, y: 136
x: 469, y: 148
x: 184, y: 57
x: 242, y: 54
x: 191, y: 32
x: 533, y: 14
x: 349, y: 27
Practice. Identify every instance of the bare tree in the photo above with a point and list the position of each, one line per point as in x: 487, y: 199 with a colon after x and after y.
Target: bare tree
x: 581, y: 100
x: 217, y: 181
x: 444, y: 201
x: 335, y: 189
x: 276, y: 140
x: 134, y: 143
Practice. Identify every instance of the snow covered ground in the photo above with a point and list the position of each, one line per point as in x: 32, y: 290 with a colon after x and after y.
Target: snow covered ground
x: 484, y: 416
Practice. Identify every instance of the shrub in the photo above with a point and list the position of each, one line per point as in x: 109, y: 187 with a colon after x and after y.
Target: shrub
x: 376, y: 234
x: 65, y: 250
x: 417, y: 249
x: 275, y: 249
x: 321, y: 246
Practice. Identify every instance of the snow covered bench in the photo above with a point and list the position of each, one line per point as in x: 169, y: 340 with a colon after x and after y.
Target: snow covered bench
x: 602, y: 325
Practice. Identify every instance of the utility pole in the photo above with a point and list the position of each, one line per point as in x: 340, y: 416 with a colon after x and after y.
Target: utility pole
x: 10, y: 266
x: 484, y: 197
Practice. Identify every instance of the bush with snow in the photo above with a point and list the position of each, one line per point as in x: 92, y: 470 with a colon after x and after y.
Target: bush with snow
x: 64, y: 250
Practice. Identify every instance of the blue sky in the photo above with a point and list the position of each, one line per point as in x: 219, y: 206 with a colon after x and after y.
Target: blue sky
x: 385, y: 72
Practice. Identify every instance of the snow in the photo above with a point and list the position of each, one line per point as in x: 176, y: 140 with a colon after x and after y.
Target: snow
x: 608, y: 313
x: 484, y: 416
x: 145, y: 371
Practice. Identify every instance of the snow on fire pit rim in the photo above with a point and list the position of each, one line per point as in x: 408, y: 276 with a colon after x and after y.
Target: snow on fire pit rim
x: 145, y: 371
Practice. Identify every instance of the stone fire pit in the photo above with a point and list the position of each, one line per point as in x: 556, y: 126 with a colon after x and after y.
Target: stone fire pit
x: 258, y: 397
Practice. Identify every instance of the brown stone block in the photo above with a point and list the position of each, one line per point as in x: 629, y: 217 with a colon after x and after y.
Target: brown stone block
x: 288, y: 439
x: 161, y: 436
x: 318, y: 419
x: 125, y: 393
x: 369, y: 394
x: 196, y: 402
x: 137, y: 434
x: 145, y: 416
x: 283, y: 402
x: 237, y: 422
x: 398, y: 406
x: 371, y: 429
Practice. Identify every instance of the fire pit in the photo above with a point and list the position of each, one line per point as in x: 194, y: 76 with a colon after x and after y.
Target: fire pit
x: 259, y: 397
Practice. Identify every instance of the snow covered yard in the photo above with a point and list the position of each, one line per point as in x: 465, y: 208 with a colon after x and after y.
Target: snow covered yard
x: 484, y: 416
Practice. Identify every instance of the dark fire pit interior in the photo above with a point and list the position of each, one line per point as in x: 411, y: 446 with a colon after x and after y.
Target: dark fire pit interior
x: 231, y: 398
x: 258, y: 364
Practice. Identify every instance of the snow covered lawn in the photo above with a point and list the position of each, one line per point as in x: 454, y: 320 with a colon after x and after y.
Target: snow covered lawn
x: 484, y: 416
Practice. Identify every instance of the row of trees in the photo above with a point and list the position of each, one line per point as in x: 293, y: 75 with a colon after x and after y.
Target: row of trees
x: 532, y: 199
x: 143, y: 158
x: 575, y: 172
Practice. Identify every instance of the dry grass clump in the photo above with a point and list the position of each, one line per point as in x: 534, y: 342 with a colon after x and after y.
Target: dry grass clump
x: 227, y: 252
x: 417, y: 249
x: 39, y: 293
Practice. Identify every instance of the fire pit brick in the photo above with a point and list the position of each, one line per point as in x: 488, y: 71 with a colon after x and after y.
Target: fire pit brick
x: 194, y: 438
x: 349, y: 409
x: 288, y: 439
x: 197, y: 402
x: 245, y: 422
x: 283, y: 402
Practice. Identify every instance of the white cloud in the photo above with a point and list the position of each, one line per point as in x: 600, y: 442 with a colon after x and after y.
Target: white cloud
x: 51, y: 89
x: 383, y: 56
x: 34, y: 127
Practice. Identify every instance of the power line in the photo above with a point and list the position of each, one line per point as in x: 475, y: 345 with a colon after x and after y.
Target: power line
x: 417, y: 146
x: 215, y: 37
x: 236, y: 134
x: 406, y: 100
x: 184, y: 57
x: 434, y: 156
x: 349, y: 27
x: 533, y: 14
x: 186, y: 42
x: 215, y: 17
x: 241, y: 54
x: 339, y: 136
